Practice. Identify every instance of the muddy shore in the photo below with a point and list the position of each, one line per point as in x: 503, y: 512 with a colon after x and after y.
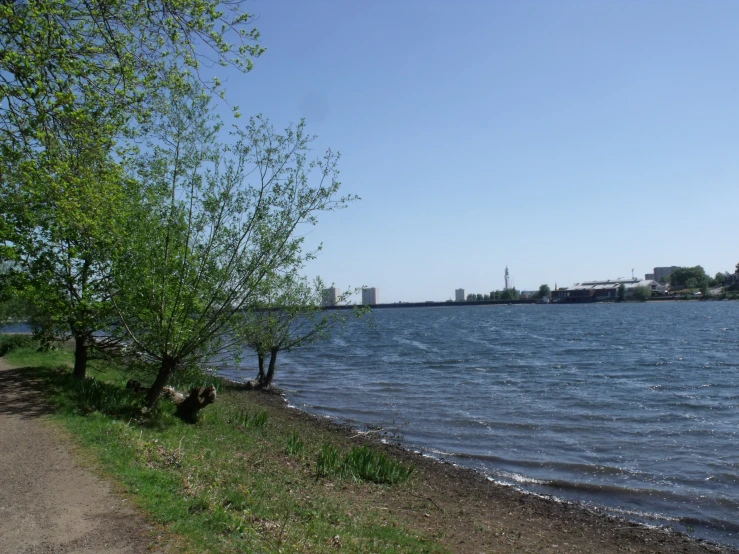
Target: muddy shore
x: 470, y: 513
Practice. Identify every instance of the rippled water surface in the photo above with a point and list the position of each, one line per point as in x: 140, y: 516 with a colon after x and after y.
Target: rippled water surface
x: 634, y: 407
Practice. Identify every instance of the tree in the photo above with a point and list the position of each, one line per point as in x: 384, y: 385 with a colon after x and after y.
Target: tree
x: 720, y: 278
x: 544, y: 292
x: 471, y: 297
x: 510, y: 294
x: 287, y: 315
x: 621, y: 292
x: 75, y: 78
x: 486, y: 297
x: 61, y: 253
x: 219, y: 221
x: 690, y: 277
x: 87, y: 61
x: 642, y: 293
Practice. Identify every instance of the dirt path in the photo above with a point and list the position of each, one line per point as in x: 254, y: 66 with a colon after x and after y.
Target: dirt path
x: 48, y: 503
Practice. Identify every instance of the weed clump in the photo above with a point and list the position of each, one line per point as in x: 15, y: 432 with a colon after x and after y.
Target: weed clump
x: 362, y: 463
x: 247, y: 420
x: 295, y: 446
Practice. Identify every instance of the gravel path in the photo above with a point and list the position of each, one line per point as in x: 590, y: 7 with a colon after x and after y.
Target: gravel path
x: 48, y: 503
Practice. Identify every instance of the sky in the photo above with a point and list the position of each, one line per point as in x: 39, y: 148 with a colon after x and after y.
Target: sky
x: 567, y: 140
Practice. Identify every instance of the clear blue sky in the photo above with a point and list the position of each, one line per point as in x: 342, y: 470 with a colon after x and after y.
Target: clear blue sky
x: 568, y: 140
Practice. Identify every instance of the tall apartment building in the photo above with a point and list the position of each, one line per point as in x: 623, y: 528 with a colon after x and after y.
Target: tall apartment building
x: 370, y: 296
x: 660, y: 272
x: 330, y: 296
x: 459, y: 295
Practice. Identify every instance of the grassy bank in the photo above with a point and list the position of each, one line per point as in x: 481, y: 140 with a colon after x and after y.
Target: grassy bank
x: 244, y: 479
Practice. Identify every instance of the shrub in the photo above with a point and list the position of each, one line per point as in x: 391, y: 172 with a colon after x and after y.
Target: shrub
x: 9, y: 343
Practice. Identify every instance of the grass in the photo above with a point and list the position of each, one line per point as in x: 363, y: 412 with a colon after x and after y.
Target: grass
x: 246, y: 478
x: 14, y: 342
x: 29, y: 355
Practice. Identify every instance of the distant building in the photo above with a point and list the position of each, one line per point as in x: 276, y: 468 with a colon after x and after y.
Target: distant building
x: 459, y: 295
x: 661, y: 272
x: 649, y: 277
x: 330, y: 296
x: 595, y: 291
x: 370, y: 296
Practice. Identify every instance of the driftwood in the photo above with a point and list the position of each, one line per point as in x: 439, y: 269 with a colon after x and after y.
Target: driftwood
x: 187, y: 406
x: 199, y: 397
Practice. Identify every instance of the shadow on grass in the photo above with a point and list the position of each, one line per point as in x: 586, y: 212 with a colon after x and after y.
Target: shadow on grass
x: 37, y: 391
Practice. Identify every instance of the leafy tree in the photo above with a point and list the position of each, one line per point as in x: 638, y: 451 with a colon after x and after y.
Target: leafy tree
x: 62, y: 253
x: 220, y: 220
x: 471, y: 297
x: 479, y: 297
x: 486, y: 297
x: 510, y: 294
x: 691, y: 277
x: 287, y: 315
x: 75, y: 77
x: 641, y: 293
x: 621, y: 292
x: 720, y: 278
x: 544, y: 292
x: 87, y: 61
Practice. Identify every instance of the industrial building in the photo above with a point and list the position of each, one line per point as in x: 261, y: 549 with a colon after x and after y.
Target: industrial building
x: 598, y: 291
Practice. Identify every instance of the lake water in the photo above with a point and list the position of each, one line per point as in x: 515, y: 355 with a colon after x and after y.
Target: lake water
x: 631, y: 407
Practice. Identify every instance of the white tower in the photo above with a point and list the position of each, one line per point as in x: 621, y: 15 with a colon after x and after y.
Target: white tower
x: 507, y: 278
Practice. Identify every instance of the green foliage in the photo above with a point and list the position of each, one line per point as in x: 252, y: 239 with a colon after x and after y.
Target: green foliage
x: 621, y: 292
x: 76, y: 80
x: 329, y: 461
x: 370, y: 465
x: 287, y: 314
x: 544, y: 292
x: 690, y: 277
x: 219, y: 222
x: 94, y: 395
x: 510, y: 294
x: 295, y: 446
x: 362, y: 463
x: 248, y: 420
x: 8, y: 343
x: 33, y: 356
x: 641, y: 293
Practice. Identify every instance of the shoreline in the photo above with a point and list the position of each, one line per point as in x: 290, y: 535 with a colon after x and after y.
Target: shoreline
x: 583, y: 528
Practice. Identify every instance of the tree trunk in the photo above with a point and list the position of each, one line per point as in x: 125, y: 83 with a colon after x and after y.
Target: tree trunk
x: 260, y: 375
x: 267, y: 381
x: 199, y: 397
x: 165, y: 370
x: 80, y: 356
